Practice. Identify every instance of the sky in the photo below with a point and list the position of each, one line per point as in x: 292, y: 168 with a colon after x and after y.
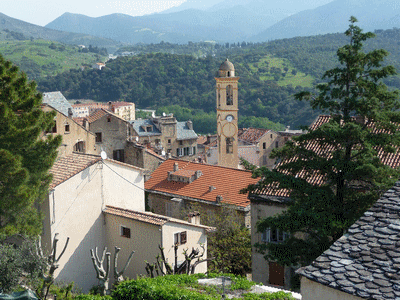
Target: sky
x: 42, y: 12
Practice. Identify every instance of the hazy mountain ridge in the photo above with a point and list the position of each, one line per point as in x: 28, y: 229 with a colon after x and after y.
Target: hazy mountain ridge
x: 39, y: 32
x: 333, y: 17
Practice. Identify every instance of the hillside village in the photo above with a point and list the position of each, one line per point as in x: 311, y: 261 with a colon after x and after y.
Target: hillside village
x: 146, y: 188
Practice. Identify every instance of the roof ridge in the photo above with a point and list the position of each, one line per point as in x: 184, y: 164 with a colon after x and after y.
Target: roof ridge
x: 194, y: 162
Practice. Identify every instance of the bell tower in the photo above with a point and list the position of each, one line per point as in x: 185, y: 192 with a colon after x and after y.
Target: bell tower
x: 227, y: 115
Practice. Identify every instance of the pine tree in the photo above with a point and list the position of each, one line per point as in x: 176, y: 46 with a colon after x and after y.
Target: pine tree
x: 342, y: 154
x: 25, y: 156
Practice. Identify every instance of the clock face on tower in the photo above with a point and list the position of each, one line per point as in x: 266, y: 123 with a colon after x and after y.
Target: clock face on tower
x: 229, y: 118
x: 229, y: 129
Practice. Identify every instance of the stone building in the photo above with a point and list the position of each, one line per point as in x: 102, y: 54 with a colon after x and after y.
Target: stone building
x: 75, y: 138
x: 167, y: 136
x: 176, y: 184
x: 111, y: 131
x: 141, y: 156
x: 126, y: 110
x: 227, y: 115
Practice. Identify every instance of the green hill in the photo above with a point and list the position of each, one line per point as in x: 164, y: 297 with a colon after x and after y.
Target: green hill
x: 41, y: 58
x: 270, y: 73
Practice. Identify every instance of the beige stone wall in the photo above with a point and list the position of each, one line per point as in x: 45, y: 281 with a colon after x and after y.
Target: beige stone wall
x: 114, y: 133
x: 195, y: 238
x: 126, y: 112
x: 158, y: 204
x: 144, y: 240
x: 260, y: 267
x: 311, y: 290
x: 75, y: 134
x: 269, y: 140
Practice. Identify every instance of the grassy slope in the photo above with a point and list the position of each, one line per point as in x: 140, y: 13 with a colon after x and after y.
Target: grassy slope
x: 39, y: 60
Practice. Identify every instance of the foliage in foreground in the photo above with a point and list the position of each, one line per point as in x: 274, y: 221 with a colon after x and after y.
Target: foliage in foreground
x: 20, y: 265
x: 183, y: 287
x: 364, y: 120
x: 25, y: 158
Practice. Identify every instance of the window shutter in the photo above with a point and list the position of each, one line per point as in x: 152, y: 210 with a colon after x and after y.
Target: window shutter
x: 183, y: 237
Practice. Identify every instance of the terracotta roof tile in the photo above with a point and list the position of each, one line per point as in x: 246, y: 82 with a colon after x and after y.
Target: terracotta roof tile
x: 149, y: 217
x: 121, y: 103
x: 70, y: 165
x: 98, y: 114
x: 390, y: 159
x: 227, y: 182
x: 251, y: 135
x: 79, y: 120
x: 135, y: 215
x: 201, y: 139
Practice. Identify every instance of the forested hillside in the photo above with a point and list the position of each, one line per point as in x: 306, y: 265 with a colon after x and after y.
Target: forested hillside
x: 270, y: 73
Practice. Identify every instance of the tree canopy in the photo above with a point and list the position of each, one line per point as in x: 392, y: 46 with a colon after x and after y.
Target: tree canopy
x: 335, y: 172
x: 25, y: 157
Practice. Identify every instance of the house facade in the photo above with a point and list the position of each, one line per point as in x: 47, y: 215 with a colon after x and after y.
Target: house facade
x: 112, y: 133
x: 166, y: 135
x: 75, y: 137
x: 96, y: 202
x: 177, y: 184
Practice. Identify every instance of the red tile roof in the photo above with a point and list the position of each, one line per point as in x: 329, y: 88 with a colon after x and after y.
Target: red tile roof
x: 390, y: 159
x: 79, y: 120
x: 227, y: 182
x: 148, y: 217
x: 122, y: 103
x: 251, y: 135
x: 98, y: 114
x: 70, y: 165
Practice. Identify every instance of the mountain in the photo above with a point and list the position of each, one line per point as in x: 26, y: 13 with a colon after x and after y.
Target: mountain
x: 333, y: 17
x: 39, y: 32
x: 226, y: 21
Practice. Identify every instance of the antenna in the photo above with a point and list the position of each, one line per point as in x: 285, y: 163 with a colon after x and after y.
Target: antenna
x: 103, y: 154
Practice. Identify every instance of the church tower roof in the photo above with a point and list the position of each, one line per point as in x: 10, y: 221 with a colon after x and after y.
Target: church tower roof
x: 227, y: 66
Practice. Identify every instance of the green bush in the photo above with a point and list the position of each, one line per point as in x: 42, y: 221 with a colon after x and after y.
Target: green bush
x: 92, y: 297
x: 268, y: 296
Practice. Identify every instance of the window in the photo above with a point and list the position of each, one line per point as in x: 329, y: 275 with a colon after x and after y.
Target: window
x: 99, y: 137
x: 108, y: 119
x: 276, y: 144
x: 194, y: 150
x: 66, y: 128
x: 79, y: 147
x: 274, y: 235
x: 271, y: 135
x: 179, y: 151
x: 229, y: 95
x: 229, y: 145
x: 264, y: 145
x: 180, y: 143
x: 186, y: 151
x: 119, y: 155
x: 54, y: 129
x: 169, y: 141
x: 125, y: 232
x: 180, y: 238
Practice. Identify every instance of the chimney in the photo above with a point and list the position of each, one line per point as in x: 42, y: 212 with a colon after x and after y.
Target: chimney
x: 197, y: 174
x: 194, y: 218
x: 218, y: 199
x: 167, y: 155
x: 211, y: 188
x: 189, y: 124
x: 287, y: 128
x: 176, y: 168
x: 70, y: 113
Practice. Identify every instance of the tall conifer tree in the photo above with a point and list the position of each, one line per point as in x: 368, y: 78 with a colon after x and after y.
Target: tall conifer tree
x: 25, y: 157
x: 342, y: 154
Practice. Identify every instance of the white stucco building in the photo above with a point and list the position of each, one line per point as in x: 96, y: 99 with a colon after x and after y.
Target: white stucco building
x: 85, y: 193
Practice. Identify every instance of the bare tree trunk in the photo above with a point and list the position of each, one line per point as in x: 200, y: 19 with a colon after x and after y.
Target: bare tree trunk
x: 101, y: 272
